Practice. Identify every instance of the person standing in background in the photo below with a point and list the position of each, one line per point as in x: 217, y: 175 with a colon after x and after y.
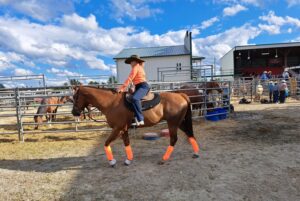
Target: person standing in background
x: 269, y: 75
x: 271, y: 86
x: 285, y: 74
x: 275, y: 93
x: 282, y: 91
x: 263, y: 76
x: 225, y: 90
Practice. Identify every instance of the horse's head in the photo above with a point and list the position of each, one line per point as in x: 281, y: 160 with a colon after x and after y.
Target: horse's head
x: 65, y: 99
x: 69, y: 99
x: 213, y: 85
x: 79, y: 102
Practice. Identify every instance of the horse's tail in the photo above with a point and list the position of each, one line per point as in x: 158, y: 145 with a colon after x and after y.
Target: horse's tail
x: 38, y: 118
x: 187, y: 124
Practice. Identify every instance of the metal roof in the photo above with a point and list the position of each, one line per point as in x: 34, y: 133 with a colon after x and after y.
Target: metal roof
x: 264, y: 46
x: 154, y: 51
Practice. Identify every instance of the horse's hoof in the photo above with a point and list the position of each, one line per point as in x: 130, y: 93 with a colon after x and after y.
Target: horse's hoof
x: 195, y: 155
x: 161, y: 162
x: 113, y: 163
x: 127, y: 162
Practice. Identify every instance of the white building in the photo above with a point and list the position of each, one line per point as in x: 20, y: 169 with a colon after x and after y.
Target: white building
x: 165, y: 63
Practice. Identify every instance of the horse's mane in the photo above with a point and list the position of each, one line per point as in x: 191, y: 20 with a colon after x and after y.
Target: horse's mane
x: 113, y: 90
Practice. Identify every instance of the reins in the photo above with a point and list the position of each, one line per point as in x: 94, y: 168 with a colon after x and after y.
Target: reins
x: 91, y: 117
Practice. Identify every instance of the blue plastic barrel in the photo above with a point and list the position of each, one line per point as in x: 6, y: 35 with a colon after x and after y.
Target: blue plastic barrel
x: 222, y: 113
x: 212, y: 116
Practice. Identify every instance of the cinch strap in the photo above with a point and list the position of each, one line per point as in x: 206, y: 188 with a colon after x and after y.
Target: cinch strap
x: 109, y: 153
x: 168, y: 153
x: 129, y: 152
x: 194, y: 144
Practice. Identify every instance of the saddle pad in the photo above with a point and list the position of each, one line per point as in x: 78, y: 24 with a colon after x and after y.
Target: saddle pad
x: 146, y: 105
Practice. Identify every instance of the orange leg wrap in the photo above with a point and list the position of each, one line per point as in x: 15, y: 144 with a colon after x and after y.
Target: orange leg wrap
x: 109, y: 153
x: 194, y: 144
x: 168, y: 153
x: 129, y: 152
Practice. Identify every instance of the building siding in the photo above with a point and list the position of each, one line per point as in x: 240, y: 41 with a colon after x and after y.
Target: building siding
x: 151, y: 67
x: 227, y: 62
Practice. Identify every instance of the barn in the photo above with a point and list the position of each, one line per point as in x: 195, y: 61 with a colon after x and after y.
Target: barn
x: 254, y: 59
x: 164, y: 63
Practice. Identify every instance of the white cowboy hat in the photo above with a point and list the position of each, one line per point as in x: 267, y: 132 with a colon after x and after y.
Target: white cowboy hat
x: 283, y: 81
x: 265, y: 72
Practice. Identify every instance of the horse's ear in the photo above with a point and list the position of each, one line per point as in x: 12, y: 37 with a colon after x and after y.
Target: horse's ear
x: 75, y: 88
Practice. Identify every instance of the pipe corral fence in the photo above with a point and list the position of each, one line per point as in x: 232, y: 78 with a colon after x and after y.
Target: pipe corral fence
x: 18, y: 106
x: 247, y: 87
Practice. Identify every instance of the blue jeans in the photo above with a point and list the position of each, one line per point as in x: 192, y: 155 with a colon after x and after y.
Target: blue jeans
x: 141, y: 90
x: 275, y: 96
x: 282, y: 96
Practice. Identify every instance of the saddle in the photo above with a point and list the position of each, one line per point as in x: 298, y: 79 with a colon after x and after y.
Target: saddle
x: 149, y: 101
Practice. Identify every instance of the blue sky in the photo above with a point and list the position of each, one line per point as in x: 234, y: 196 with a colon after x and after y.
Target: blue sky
x: 61, y: 38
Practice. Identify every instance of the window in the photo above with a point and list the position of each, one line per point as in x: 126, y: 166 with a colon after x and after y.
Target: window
x: 178, y: 66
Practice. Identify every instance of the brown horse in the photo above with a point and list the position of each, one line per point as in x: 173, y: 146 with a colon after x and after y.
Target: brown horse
x: 48, y: 105
x: 173, y: 107
x: 202, y: 93
x: 83, y: 115
x: 89, y: 112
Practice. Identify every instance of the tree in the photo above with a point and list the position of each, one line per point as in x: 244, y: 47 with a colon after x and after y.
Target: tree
x: 74, y: 82
x: 112, y: 79
x: 2, y: 86
x: 93, y: 83
x: 65, y: 84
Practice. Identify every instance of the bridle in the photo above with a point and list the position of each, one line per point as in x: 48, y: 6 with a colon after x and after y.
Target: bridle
x: 78, y: 111
x: 75, y: 110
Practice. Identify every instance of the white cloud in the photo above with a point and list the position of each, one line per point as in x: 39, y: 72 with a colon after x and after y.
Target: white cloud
x: 296, y: 39
x: 253, y: 2
x: 258, y: 3
x: 56, y: 82
x: 219, y: 44
x: 293, y: 21
x: 41, y: 10
x: 57, y: 45
x: 10, y: 59
x: 60, y: 44
x: 271, y: 29
x: 113, y: 69
x: 62, y: 73
x: 77, y: 22
x: 274, y: 22
x: 293, y: 2
x: 233, y: 10
x: 22, y: 72
x: 10, y: 84
x: 133, y: 9
x: 207, y: 23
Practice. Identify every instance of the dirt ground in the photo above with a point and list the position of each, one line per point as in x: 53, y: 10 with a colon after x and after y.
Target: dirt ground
x: 254, y: 155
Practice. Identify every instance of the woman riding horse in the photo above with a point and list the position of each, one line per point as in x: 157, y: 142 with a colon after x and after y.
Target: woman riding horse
x: 174, y: 108
x: 137, y: 76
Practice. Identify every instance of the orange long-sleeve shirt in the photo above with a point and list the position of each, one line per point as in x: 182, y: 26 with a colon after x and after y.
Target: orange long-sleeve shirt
x: 137, y: 75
